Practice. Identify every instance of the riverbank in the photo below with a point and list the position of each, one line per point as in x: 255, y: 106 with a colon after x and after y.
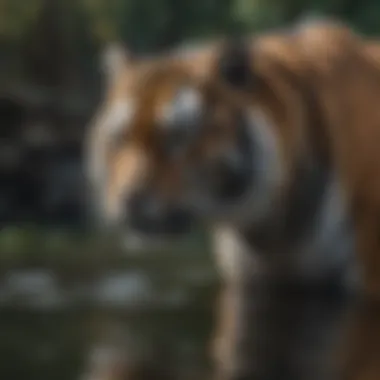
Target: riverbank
x: 58, y: 269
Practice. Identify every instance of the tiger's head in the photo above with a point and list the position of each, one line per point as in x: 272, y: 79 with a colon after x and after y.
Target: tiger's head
x: 171, y: 146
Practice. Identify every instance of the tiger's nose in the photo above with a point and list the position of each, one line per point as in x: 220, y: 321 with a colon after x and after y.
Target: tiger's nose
x: 149, y: 215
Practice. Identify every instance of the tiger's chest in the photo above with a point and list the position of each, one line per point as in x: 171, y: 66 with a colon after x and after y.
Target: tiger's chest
x: 327, y: 249
x: 314, y: 240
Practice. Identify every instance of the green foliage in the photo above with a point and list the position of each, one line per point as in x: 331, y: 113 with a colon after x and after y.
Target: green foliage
x: 144, y: 22
x: 81, y: 27
x: 15, y: 17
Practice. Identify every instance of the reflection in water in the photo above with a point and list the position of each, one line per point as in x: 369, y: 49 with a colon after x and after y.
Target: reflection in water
x: 284, y: 335
x: 167, y: 346
x: 59, y: 345
x: 281, y: 336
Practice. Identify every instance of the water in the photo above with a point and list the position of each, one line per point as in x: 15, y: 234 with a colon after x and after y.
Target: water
x: 61, y: 302
x: 41, y: 345
x: 110, y: 320
x: 290, y: 337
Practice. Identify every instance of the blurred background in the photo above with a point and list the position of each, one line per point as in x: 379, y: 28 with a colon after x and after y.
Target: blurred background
x: 61, y: 286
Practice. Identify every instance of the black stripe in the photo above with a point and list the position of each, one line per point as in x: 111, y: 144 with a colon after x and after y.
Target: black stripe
x: 310, y: 178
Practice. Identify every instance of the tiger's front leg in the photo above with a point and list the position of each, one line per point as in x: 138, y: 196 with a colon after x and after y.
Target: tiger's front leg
x: 234, y: 341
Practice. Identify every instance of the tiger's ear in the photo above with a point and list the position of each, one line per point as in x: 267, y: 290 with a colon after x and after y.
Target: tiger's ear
x: 234, y: 64
x: 115, y: 59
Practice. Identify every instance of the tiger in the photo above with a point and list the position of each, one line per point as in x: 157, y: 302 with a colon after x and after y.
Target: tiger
x: 269, y: 141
